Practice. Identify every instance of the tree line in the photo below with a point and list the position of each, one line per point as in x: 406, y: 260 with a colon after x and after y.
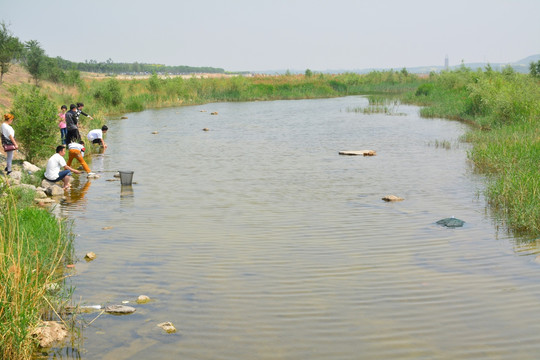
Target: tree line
x: 31, y: 55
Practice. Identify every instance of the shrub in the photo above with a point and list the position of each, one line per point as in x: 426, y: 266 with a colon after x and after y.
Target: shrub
x: 35, y: 123
x: 109, y: 93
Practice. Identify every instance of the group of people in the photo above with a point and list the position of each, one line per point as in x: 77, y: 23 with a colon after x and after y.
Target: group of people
x: 57, y: 168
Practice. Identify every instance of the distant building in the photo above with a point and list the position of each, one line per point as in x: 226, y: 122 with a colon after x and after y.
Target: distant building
x: 446, y: 62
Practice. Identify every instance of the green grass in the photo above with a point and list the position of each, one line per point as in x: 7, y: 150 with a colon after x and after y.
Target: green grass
x: 504, y: 111
x: 33, y: 247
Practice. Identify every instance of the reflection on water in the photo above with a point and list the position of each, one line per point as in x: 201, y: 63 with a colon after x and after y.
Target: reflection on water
x: 257, y: 240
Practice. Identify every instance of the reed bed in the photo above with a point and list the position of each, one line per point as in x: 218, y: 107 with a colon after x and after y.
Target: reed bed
x: 34, y: 247
x: 504, y: 109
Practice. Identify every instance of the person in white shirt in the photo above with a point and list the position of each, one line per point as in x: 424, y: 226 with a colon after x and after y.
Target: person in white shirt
x: 96, y: 136
x: 8, y: 139
x: 55, y: 164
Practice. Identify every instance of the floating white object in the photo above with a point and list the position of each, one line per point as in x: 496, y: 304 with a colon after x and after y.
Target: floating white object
x: 358, y: 152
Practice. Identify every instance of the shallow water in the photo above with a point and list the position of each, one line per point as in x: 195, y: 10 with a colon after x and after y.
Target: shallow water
x: 258, y: 241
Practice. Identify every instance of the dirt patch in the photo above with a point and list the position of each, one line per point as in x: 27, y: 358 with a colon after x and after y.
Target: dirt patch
x: 15, y: 76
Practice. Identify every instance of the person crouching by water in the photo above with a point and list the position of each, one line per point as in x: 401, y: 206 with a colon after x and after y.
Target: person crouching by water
x: 76, y: 151
x: 96, y: 136
x: 55, y: 164
x: 8, y: 141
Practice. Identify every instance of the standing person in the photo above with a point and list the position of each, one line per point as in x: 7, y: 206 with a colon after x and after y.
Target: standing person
x: 80, y: 106
x: 96, y: 136
x: 8, y: 141
x: 62, y: 123
x: 55, y: 164
x: 71, y: 125
x: 76, y: 151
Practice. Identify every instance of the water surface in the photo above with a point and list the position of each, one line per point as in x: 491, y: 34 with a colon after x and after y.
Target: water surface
x: 258, y: 241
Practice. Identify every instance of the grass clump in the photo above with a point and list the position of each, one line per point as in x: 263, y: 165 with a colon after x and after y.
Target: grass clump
x: 33, y: 246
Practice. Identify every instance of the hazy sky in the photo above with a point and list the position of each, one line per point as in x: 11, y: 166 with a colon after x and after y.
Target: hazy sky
x: 280, y: 34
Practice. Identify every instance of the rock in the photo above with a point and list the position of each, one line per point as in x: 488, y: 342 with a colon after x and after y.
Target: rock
x: 451, y: 222
x: 392, y: 198
x: 168, y: 327
x: 155, y: 132
x: 124, y: 117
x: 40, y: 194
x: 117, y: 175
x: 106, y: 228
x: 16, y: 175
x: 203, y: 110
x: 112, y: 179
x: 45, y: 184
x: 206, y: 129
x: 358, y: 152
x: 30, y: 167
x: 143, y: 299
x: 93, y: 176
x: 54, y: 190
x: 52, y: 287
x: 45, y: 200
x: 119, y: 309
x: 90, y: 256
x: 49, y: 332
x: 214, y: 113
x: 26, y: 186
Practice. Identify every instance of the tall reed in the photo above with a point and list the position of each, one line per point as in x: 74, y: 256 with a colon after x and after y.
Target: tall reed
x: 33, y: 247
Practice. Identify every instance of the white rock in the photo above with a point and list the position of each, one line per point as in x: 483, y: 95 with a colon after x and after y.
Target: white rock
x: 30, y: 167
x: 358, y: 152
x: 392, y: 198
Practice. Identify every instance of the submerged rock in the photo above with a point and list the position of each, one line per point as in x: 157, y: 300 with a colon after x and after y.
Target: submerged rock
x: 119, y: 309
x: 451, y: 222
x: 214, y: 113
x: 143, y: 299
x: 168, y: 327
x: 90, y: 256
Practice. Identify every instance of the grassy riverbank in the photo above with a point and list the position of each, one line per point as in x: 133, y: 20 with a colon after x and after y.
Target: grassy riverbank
x: 504, y: 109
x: 35, y: 247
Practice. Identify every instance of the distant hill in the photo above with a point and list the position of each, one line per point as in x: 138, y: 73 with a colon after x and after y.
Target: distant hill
x: 521, y: 66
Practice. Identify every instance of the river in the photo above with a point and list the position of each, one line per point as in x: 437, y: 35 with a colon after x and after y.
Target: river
x: 258, y: 241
